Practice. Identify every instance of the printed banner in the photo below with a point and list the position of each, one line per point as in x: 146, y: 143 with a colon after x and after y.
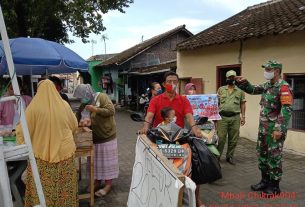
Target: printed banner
x: 152, y: 183
x: 205, y: 105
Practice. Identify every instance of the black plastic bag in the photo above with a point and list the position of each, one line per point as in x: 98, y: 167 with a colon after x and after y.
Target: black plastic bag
x: 205, y: 166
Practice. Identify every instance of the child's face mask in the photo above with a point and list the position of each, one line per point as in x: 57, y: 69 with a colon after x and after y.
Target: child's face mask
x: 173, y: 120
x: 191, y: 92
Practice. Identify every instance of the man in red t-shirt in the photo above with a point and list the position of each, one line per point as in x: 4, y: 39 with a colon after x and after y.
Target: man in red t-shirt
x: 170, y: 98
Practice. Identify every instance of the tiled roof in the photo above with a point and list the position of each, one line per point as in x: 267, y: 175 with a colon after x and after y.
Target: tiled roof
x: 137, y: 49
x: 268, y: 18
x: 101, y: 57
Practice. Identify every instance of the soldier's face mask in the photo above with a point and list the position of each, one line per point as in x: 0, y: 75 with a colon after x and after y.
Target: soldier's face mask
x: 269, y: 75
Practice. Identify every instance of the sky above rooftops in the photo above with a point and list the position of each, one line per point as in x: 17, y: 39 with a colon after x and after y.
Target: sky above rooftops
x: 147, y: 18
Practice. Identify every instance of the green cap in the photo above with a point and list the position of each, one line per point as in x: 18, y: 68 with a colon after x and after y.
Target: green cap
x: 230, y: 73
x: 272, y: 64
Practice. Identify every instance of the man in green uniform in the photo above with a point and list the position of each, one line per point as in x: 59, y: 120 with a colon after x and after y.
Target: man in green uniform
x: 232, y: 107
x: 276, y: 101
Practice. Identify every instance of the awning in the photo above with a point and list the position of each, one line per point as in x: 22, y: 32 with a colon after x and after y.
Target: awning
x: 152, y: 72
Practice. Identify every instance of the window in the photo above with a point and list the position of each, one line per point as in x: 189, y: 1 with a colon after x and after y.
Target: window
x: 297, y: 84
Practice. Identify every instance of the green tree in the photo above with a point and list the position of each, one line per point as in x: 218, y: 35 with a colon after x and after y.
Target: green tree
x: 53, y: 19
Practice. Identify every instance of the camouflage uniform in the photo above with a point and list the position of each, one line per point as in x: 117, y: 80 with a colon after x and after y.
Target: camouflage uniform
x: 275, y: 113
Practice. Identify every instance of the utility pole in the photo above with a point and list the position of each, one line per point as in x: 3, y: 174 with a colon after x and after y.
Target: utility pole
x: 92, y: 42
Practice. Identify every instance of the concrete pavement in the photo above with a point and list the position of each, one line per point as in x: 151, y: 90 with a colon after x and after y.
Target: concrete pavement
x: 231, y: 191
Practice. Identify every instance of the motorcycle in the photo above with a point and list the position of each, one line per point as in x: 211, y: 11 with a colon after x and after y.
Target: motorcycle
x: 188, y: 153
x: 144, y: 103
x: 173, y: 142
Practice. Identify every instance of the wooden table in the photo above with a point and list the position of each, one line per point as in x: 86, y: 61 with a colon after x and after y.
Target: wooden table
x: 84, y: 148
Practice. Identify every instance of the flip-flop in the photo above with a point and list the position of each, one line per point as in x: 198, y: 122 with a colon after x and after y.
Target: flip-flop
x: 100, y: 193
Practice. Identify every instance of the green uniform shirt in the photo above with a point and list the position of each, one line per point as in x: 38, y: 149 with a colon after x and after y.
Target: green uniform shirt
x: 276, y: 102
x: 230, y: 102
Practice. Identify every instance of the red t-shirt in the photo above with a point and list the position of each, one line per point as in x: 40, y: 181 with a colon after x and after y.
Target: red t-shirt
x: 180, y: 104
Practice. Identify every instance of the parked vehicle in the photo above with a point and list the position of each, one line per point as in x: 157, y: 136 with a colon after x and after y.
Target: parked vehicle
x: 143, y: 103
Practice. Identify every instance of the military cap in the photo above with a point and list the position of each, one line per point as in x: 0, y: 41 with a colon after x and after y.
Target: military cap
x: 272, y: 64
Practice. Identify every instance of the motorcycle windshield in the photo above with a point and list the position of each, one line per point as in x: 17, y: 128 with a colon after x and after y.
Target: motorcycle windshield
x: 171, y: 131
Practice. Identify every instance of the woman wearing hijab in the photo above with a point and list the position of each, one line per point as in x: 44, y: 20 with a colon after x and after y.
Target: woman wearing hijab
x: 9, y: 110
x: 190, y: 89
x: 51, y: 125
x: 103, y: 128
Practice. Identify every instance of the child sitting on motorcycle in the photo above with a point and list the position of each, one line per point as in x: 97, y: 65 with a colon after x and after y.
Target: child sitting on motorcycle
x: 168, y: 124
x: 168, y: 116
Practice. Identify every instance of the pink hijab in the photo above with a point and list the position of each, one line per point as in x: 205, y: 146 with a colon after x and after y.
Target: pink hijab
x: 188, y: 87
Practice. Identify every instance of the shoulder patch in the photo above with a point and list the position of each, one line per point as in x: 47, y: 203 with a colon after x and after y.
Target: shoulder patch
x: 286, y: 96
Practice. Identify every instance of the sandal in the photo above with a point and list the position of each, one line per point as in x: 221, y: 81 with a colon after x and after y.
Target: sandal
x: 104, y: 191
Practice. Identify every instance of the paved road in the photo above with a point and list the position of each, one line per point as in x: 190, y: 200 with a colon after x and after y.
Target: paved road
x: 231, y: 191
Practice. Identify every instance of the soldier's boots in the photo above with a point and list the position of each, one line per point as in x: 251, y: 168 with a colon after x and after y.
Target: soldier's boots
x: 273, y: 188
x: 263, y: 184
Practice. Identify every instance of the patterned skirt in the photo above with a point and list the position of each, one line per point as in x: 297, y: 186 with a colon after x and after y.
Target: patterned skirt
x: 106, y: 162
x: 59, y: 183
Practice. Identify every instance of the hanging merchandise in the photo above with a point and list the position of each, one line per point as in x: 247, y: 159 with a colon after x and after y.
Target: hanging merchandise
x: 110, y: 85
x: 105, y: 82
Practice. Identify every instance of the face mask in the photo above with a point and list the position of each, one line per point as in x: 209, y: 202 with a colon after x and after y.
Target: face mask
x: 230, y: 82
x: 191, y: 92
x: 173, y: 120
x: 159, y: 91
x: 170, y: 88
x: 269, y: 75
x: 85, y: 101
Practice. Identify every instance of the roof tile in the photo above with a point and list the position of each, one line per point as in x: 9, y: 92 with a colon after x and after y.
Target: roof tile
x: 268, y: 18
x: 129, y: 53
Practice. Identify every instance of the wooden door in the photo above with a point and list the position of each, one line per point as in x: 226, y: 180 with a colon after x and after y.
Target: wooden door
x: 199, y: 85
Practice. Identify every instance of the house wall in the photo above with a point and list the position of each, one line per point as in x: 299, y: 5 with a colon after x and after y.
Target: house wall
x: 95, y: 75
x: 289, y: 49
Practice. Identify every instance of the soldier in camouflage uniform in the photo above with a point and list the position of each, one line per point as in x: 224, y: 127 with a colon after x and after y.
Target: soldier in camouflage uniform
x: 276, y: 108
